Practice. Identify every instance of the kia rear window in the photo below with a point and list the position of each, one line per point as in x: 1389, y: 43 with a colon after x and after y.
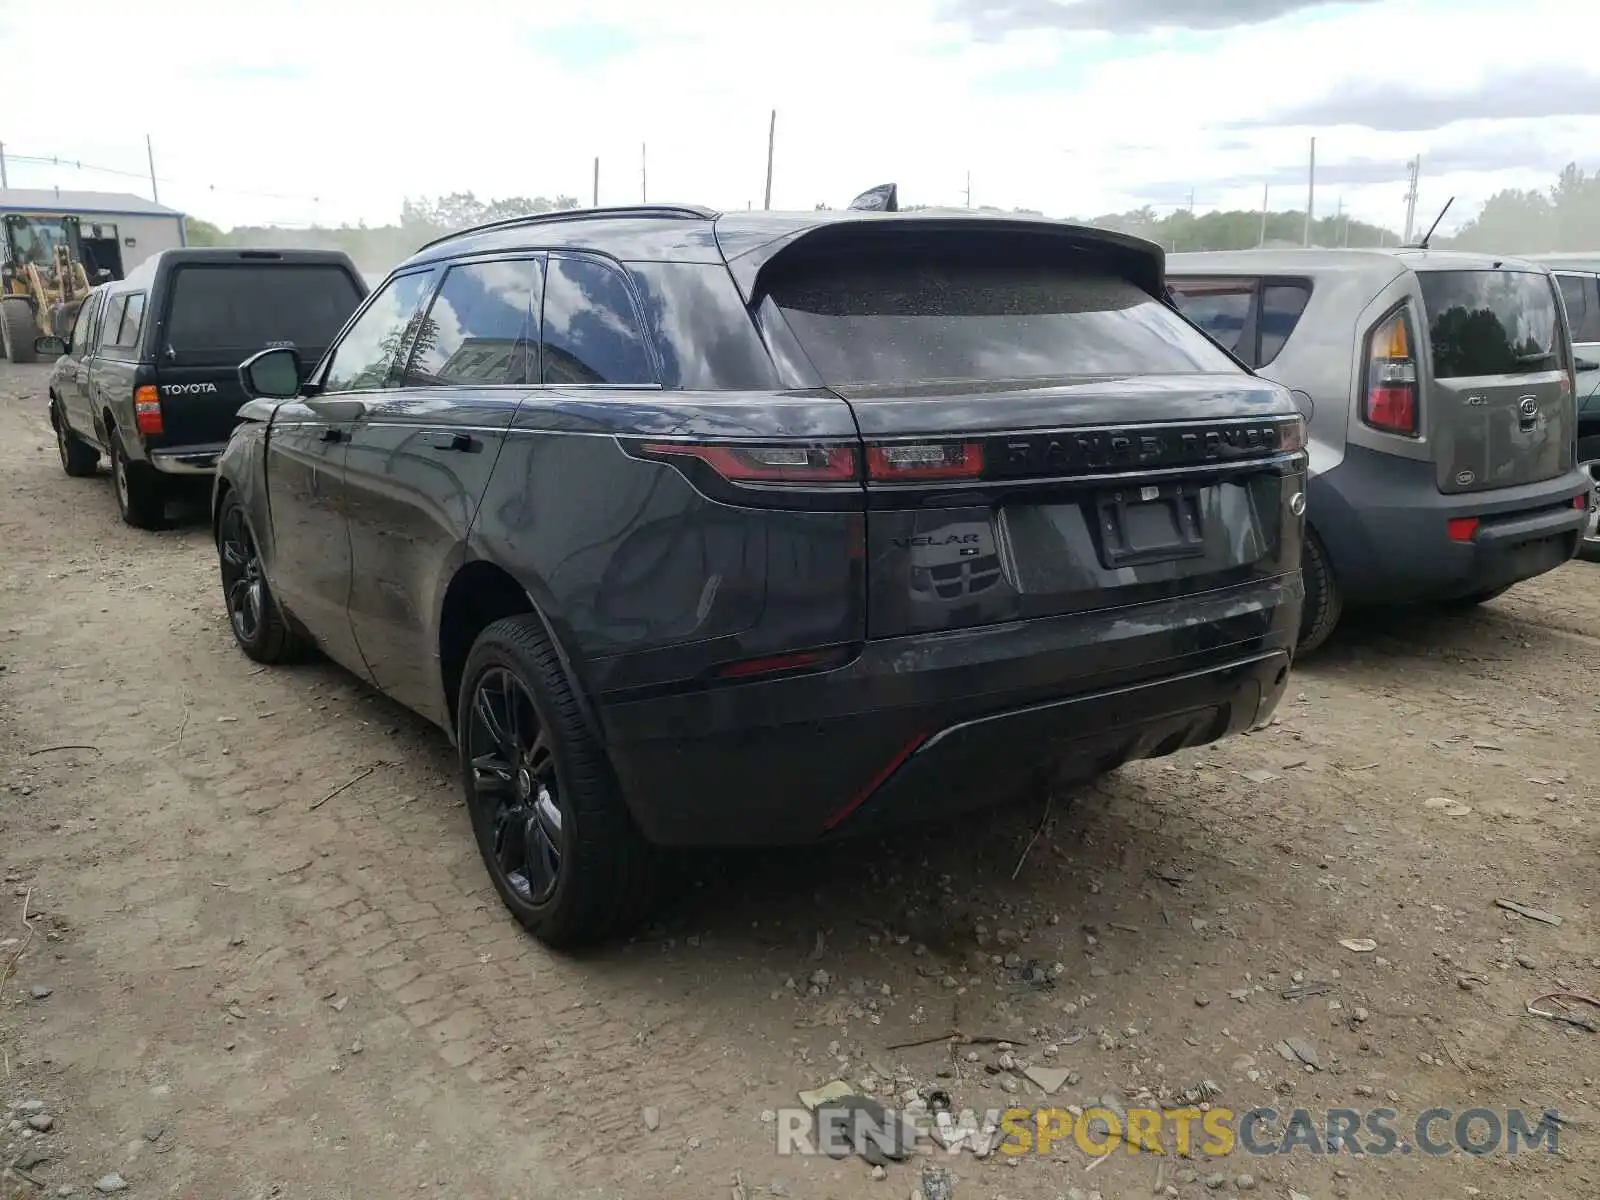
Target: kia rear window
x: 912, y: 317
x: 1491, y: 323
x: 221, y: 313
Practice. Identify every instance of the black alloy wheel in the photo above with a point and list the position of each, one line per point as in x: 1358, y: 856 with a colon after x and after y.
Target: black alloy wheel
x: 516, y: 793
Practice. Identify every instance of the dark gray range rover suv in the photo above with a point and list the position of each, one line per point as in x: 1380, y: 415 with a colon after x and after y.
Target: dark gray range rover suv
x: 701, y: 529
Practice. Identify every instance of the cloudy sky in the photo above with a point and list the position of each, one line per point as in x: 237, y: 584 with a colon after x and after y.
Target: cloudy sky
x: 330, y: 110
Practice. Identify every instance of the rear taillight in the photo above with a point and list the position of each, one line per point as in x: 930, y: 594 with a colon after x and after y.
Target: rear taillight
x: 1390, y: 400
x: 1462, y: 529
x: 147, y: 410
x: 766, y: 464
x: 910, y: 462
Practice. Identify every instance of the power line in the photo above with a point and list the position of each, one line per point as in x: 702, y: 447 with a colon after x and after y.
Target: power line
x: 77, y: 164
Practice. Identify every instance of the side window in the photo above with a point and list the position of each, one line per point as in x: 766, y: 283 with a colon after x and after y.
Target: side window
x: 591, y: 332
x: 80, y: 327
x: 112, y: 319
x: 365, y: 357
x: 482, y: 328
x: 1219, y: 306
x: 1281, y: 306
x: 1583, y: 306
x: 132, y: 322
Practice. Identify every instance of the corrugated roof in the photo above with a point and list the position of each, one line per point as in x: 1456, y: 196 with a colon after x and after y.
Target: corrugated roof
x: 50, y: 200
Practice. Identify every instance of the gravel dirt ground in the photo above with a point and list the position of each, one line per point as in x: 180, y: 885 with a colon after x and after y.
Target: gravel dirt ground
x: 216, y: 985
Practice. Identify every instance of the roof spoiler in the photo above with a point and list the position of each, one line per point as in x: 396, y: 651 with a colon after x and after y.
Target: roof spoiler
x: 883, y: 198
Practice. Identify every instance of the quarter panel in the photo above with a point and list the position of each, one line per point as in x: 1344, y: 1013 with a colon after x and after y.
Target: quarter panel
x: 644, y: 579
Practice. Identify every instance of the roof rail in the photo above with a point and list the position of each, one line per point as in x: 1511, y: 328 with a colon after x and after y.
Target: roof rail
x: 680, y: 212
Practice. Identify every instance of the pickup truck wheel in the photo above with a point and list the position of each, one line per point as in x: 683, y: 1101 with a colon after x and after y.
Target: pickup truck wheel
x: 548, y: 815
x: 1323, y: 604
x: 78, y: 458
x: 260, y: 627
x: 141, y: 495
x: 1589, y: 460
x: 17, y: 330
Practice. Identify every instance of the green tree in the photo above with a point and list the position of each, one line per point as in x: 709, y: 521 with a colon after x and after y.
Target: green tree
x: 201, y: 233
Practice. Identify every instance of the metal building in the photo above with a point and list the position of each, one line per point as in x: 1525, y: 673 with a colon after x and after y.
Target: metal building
x: 118, y: 230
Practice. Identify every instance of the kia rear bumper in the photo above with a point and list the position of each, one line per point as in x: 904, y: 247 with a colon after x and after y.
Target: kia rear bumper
x: 934, y: 725
x: 1395, y: 538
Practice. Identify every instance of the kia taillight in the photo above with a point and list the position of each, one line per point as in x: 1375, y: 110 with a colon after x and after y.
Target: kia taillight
x: 912, y: 462
x: 765, y: 464
x: 147, y: 410
x: 1390, y: 399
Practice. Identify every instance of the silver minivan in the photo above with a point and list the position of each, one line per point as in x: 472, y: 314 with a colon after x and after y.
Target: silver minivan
x: 1439, y: 389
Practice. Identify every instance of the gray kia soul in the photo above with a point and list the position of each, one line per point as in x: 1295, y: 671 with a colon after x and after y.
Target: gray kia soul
x: 1439, y: 390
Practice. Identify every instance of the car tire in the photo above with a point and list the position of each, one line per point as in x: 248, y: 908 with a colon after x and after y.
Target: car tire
x: 140, y: 491
x: 17, y: 330
x: 1323, y: 604
x: 1589, y: 459
x: 549, y: 817
x: 78, y: 458
x: 260, y: 627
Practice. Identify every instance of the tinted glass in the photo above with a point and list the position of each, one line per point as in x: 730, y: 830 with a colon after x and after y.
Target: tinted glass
x: 1221, y: 308
x: 222, y: 313
x: 1583, y: 306
x: 1491, y: 323
x: 701, y: 328
x: 901, y: 317
x: 483, y: 327
x: 113, y: 319
x: 591, y: 334
x: 80, y: 327
x: 132, y: 321
x: 1281, y: 306
x: 363, y: 360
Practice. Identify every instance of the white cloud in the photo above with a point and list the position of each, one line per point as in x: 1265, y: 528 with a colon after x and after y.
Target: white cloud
x: 361, y: 105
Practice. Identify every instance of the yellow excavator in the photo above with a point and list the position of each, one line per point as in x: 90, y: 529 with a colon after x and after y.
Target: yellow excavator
x: 42, y: 280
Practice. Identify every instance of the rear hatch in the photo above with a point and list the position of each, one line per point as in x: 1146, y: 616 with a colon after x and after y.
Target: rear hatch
x: 1499, y: 395
x: 220, y: 313
x: 1043, y: 436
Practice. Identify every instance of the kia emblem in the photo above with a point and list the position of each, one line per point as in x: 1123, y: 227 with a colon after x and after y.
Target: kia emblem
x: 1528, y: 406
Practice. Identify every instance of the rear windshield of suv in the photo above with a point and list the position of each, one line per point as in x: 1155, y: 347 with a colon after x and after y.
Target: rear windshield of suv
x: 895, y: 317
x: 1491, y: 323
x: 221, y: 312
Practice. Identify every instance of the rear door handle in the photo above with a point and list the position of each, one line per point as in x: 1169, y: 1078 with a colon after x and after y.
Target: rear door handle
x: 455, y: 441
x: 334, y: 434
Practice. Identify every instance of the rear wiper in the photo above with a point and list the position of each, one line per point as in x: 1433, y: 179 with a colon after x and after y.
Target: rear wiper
x: 1536, y: 356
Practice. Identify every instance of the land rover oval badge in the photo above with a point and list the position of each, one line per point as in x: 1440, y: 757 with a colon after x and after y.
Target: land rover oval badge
x: 1464, y: 478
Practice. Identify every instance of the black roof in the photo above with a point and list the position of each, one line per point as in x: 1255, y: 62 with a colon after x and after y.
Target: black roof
x: 144, y: 274
x: 746, y: 240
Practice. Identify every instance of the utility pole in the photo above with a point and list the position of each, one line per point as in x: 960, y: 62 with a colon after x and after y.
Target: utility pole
x: 969, y: 189
x: 1191, y: 202
x: 772, y: 135
x: 1311, y: 192
x: 3, y: 183
x: 151, y: 155
x: 1340, y: 223
x: 644, y: 179
x: 1415, y: 176
x: 1266, y: 192
x: 595, y: 201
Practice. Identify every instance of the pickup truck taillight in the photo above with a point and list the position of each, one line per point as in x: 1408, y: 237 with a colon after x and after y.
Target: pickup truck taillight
x: 147, y: 410
x: 1390, y: 400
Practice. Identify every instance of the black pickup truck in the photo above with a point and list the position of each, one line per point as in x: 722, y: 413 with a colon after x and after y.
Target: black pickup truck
x: 148, y: 375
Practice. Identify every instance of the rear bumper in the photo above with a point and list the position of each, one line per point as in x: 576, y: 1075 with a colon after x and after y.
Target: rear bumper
x: 933, y: 725
x: 1386, y: 526
x: 187, y: 460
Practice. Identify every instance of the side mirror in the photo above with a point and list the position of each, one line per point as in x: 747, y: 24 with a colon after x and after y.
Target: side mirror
x: 271, y: 374
x: 51, y: 346
x: 1585, y: 364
